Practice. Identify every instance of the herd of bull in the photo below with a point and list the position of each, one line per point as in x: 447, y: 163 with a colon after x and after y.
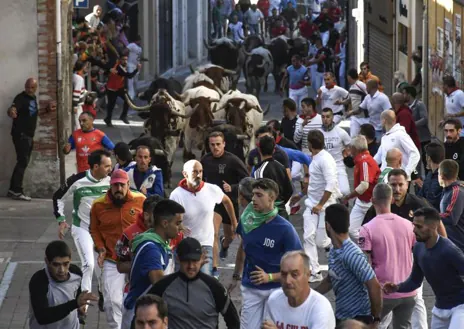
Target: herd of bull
x: 208, y: 100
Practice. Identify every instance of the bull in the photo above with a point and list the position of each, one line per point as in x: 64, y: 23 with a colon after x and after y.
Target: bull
x: 244, y: 112
x: 171, y: 85
x: 279, y: 50
x: 166, y: 120
x: 218, y: 74
x: 234, y: 138
x: 201, y: 100
x: 258, y: 65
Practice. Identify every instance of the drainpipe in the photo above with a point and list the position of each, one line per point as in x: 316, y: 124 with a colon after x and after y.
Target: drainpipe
x: 59, y: 92
x: 425, y: 55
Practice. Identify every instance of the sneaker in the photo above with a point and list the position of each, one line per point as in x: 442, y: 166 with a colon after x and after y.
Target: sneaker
x: 125, y: 120
x: 22, y: 197
x: 316, y: 277
x: 12, y: 194
x: 224, y: 252
x: 108, y: 122
x: 101, y: 301
x: 216, y: 273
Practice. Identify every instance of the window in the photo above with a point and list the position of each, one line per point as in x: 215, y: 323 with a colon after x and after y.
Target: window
x: 403, y: 38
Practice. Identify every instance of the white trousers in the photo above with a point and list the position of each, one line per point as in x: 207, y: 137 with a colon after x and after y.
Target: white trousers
x: 127, y: 316
x: 341, y: 74
x: 113, y: 289
x: 131, y: 82
x: 314, y: 236
x: 343, y: 183
x: 325, y: 38
x: 419, y: 313
x: 88, y: 256
x: 79, y: 111
x: 253, y: 305
x: 297, y: 96
x: 358, y: 212
x: 355, y: 125
x: 448, y: 319
x: 337, y: 119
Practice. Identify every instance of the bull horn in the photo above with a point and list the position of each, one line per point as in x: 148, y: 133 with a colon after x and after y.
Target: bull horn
x: 185, y: 116
x: 261, y: 65
x: 242, y: 105
x: 229, y: 71
x: 242, y: 137
x: 207, y: 45
x: 135, y: 107
x: 267, y: 109
x: 159, y: 152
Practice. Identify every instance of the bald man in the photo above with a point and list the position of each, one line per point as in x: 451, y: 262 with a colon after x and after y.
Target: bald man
x: 24, y: 112
x: 404, y: 117
x: 394, y: 158
x: 199, y: 200
x: 373, y: 105
x: 396, y: 137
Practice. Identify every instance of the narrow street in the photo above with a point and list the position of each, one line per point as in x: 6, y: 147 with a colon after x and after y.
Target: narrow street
x: 28, y: 227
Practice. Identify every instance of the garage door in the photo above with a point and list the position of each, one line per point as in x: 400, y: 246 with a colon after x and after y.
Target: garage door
x: 380, y: 56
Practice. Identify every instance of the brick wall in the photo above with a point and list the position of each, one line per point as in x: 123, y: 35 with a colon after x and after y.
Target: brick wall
x: 42, y: 177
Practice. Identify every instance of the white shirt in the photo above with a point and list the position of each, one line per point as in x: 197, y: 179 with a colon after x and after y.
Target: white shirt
x: 336, y: 140
x: 322, y: 177
x: 455, y: 103
x: 316, y: 312
x: 399, y: 138
x: 237, y: 31
x: 330, y: 96
x: 199, y: 211
x: 135, y: 52
x: 375, y: 105
x: 301, y: 133
x: 356, y: 89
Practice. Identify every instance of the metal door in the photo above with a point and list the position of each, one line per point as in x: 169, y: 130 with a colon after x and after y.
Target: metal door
x: 380, y: 56
x: 165, y: 35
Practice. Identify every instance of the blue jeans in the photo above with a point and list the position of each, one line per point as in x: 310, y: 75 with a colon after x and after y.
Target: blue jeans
x: 208, y: 267
x: 254, y: 28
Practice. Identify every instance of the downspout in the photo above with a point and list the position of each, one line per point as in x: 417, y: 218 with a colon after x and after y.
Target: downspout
x: 425, y: 55
x: 59, y: 91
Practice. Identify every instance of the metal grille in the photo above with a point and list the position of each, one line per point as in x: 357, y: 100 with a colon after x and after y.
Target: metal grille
x: 380, y: 56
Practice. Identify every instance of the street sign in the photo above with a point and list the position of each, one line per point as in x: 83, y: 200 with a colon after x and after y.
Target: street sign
x: 81, y: 3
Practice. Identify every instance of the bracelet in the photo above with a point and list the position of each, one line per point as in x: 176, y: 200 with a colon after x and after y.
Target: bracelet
x: 236, y: 276
x: 270, y: 277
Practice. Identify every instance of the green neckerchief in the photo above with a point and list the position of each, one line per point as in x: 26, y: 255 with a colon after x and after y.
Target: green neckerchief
x: 252, y: 219
x: 149, y: 235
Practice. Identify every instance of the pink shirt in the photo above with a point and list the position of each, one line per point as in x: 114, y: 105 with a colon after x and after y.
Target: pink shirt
x: 390, y: 239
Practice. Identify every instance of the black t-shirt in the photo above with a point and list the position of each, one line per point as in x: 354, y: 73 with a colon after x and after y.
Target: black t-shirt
x: 279, y: 155
x: 455, y: 151
x: 27, y: 109
x: 228, y: 168
x: 410, y: 204
x: 288, y: 127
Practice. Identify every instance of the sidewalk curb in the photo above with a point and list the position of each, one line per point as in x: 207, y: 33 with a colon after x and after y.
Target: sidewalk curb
x: 7, y: 277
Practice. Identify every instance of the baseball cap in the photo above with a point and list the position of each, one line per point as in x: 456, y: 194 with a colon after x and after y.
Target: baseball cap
x: 119, y: 176
x: 189, y: 249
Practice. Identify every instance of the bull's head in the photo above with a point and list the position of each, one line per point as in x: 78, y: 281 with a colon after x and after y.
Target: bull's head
x: 201, y: 115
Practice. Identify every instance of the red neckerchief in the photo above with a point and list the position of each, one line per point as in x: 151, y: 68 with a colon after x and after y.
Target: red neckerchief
x: 330, y: 86
x: 452, y: 91
x: 310, y: 116
x: 278, y: 139
x: 184, y: 185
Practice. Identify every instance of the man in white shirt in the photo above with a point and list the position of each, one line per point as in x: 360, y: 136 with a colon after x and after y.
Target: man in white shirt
x: 357, y: 94
x: 308, y: 121
x: 133, y: 59
x: 336, y: 141
x: 322, y: 192
x: 373, y: 105
x: 93, y: 19
x: 199, y: 199
x: 329, y: 94
x: 296, y: 305
x: 396, y: 136
x: 454, y: 104
x: 236, y: 30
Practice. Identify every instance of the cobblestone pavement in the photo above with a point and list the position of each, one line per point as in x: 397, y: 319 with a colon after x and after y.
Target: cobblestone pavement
x: 28, y: 227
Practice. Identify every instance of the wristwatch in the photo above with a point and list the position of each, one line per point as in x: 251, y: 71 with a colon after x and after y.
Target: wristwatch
x: 236, y: 276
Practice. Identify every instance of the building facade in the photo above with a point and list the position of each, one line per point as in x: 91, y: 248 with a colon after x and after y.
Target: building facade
x: 30, y: 50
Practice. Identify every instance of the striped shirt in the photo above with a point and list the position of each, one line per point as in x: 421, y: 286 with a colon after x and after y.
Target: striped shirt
x: 301, y: 133
x: 349, y: 270
x: 78, y: 90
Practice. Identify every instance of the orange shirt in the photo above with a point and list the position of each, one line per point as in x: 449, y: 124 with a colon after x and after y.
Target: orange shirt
x: 107, y: 222
x: 85, y: 143
x: 370, y: 76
